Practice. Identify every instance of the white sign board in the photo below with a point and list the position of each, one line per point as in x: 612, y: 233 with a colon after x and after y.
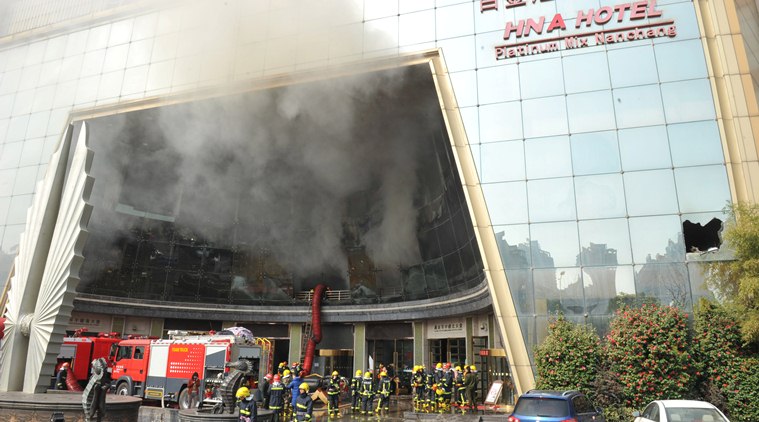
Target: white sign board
x: 494, y: 392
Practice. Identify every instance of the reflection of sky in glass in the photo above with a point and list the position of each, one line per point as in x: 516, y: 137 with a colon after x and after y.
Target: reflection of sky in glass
x: 558, y: 244
x: 656, y: 239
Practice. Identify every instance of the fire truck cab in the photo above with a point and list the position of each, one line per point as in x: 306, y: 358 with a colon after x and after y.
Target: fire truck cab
x: 80, y: 351
x: 161, y: 369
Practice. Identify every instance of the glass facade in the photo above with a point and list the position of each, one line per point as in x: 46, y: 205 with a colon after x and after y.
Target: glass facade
x: 590, y: 159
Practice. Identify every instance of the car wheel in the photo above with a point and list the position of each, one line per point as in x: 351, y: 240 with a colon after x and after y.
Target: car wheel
x: 122, y: 389
x: 184, y: 399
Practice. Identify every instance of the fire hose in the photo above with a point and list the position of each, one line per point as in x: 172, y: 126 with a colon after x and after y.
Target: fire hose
x: 316, y: 323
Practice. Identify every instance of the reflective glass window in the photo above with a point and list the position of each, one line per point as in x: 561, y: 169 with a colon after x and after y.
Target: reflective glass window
x: 603, y: 284
x: 650, y: 192
x: 702, y: 188
x: 544, y: 117
x: 514, y: 245
x: 374, y: 9
x: 416, y: 28
x: 11, y: 237
x: 697, y: 282
x: 507, y: 202
x: 638, y: 106
x: 680, y: 60
x: 554, y: 244
x: 454, y: 21
x: 26, y: 178
x: 559, y: 290
x: 503, y: 161
x: 115, y: 58
x: 500, y: 122
x: 586, y: 72
x: 7, y: 178
x: 548, y: 157
x: 590, y: 111
x: 644, y: 148
x: 695, y: 143
x: 37, y: 124
x: 32, y: 152
x: 541, y: 78
x: 688, y: 100
x: 666, y: 282
x: 594, y: 153
x: 684, y: 15
x: 657, y: 239
x: 632, y: 66
x: 4, y: 204
x: 499, y: 83
x: 605, y: 242
x: 380, y: 34
x: 10, y: 155
x: 520, y: 284
x: 459, y: 53
x: 465, y: 87
x: 17, y: 209
x: 551, y: 199
x: 600, y: 196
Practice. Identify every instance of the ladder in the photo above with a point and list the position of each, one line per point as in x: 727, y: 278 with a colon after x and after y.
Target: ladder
x: 308, y: 330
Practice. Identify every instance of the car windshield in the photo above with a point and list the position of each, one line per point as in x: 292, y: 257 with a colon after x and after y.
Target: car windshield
x: 685, y: 414
x: 539, y: 406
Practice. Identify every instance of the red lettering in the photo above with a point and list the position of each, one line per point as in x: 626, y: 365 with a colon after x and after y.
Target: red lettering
x: 652, y: 12
x: 510, y: 27
x: 535, y: 26
x: 638, y: 10
x: 603, y: 15
x: 582, y: 17
x: 620, y: 9
x: 557, y: 22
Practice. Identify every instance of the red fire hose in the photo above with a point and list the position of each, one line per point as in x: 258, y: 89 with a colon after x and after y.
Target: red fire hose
x: 316, y: 324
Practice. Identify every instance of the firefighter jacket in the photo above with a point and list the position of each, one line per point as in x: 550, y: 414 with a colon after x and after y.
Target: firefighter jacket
x: 446, y: 380
x: 459, y: 380
x: 367, y: 387
x: 334, y: 386
x: 294, y: 386
x: 429, y: 379
x: 248, y: 409
x: 355, y: 385
x: 384, y: 386
x: 277, y: 396
x: 265, y: 388
x: 304, y: 406
x: 418, y: 379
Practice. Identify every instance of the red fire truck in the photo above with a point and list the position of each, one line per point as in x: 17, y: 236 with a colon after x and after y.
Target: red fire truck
x: 160, y: 369
x: 79, y: 351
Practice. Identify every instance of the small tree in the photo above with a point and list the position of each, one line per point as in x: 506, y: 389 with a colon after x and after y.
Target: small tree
x: 648, y: 347
x: 569, y: 356
x: 737, y: 281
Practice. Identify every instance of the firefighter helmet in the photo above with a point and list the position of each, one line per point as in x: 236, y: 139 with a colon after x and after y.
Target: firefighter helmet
x: 242, y: 392
x: 383, y: 374
x: 335, y: 373
x: 303, y: 387
x: 473, y: 368
x: 439, y: 366
x: 268, y: 377
x: 277, y: 378
x: 358, y: 372
x: 458, y: 368
x: 447, y: 366
x: 286, y: 372
x: 367, y: 374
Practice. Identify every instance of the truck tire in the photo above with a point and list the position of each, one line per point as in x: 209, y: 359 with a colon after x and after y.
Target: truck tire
x: 184, y: 399
x: 123, y: 389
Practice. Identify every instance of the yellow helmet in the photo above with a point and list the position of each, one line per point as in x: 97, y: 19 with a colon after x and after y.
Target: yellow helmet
x: 473, y: 368
x: 367, y: 374
x: 242, y: 392
x: 383, y: 374
x: 439, y: 391
x: 303, y: 387
x: 439, y: 366
x: 458, y: 368
x: 286, y: 372
x: 358, y: 372
x: 335, y: 373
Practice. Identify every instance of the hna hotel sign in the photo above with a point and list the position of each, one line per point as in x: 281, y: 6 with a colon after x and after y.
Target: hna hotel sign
x: 645, y: 23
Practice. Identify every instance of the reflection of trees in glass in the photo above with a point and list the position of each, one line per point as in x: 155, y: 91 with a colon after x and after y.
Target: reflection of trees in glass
x: 665, y: 277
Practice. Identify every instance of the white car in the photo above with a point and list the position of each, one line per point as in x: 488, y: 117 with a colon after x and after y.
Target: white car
x: 680, y: 411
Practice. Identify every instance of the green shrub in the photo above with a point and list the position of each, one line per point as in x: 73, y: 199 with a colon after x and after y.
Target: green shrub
x: 569, y: 356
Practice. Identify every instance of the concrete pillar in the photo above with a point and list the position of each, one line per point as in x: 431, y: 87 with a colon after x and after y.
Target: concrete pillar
x: 359, y: 347
x: 420, y: 344
x: 469, y: 330
x: 296, y: 338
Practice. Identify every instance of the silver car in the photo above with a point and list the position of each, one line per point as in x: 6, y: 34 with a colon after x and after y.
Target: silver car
x: 680, y: 411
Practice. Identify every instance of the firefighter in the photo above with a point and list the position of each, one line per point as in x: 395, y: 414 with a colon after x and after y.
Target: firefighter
x: 356, y: 392
x: 294, y: 386
x: 471, y: 387
x: 288, y: 396
x: 333, y: 391
x: 265, y: 389
x: 276, y: 397
x: 303, y: 404
x: 458, y: 386
x: 446, y: 384
x: 383, y: 388
x: 281, y: 368
x: 430, y: 387
x: 296, y: 369
x: 248, y: 409
x: 438, y: 372
x: 60, y: 377
x: 418, y: 383
x: 367, y: 394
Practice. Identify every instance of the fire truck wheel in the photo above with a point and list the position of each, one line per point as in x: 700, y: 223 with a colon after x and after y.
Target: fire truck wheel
x: 184, y: 399
x: 122, y: 389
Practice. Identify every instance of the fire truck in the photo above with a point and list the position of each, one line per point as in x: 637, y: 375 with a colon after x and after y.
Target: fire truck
x: 161, y: 369
x: 79, y: 351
